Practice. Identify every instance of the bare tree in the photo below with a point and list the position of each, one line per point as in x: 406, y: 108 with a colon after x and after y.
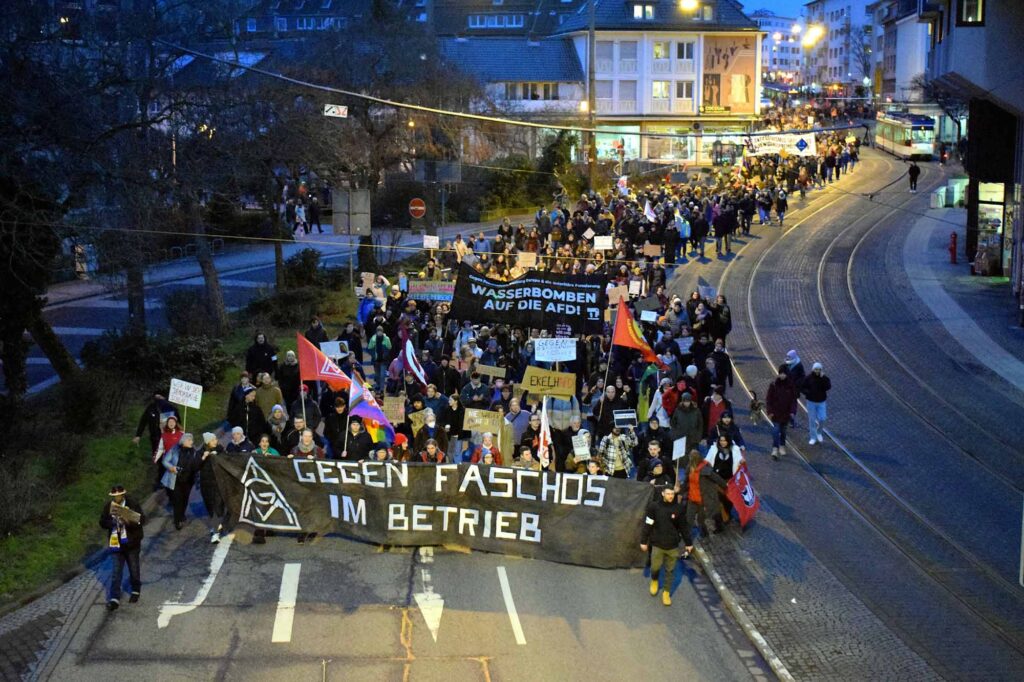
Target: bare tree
x: 952, y: 103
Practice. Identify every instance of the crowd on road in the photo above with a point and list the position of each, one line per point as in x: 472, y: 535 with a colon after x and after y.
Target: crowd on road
x: 681, y: 389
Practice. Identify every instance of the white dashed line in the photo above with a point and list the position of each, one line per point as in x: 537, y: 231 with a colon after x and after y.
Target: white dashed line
x: 286, y: 603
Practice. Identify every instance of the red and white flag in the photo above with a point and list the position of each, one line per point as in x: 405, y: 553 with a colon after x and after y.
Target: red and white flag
x: 544, y: 445
x: 741, y: 493
x: 314, y: 365
x: 411, y: 363
x: 649, y: 212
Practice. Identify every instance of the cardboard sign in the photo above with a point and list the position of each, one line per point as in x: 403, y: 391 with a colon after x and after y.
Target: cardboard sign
x: 416, y: 420
x: 367, y: 278
x: 331, y: 349
x: 581, y: 447
x: 648, y: 315
x: 604, y: 243
x: 546, y: 382
x: 707, y: 292
x: 652, y: 250
x: 635, y: 287
x: 431, y: 241
x: 431, y: 290
x: 394, y: 409
x: 489, y: 371
x: 185, y: 393
x: 526, y: 259
x: 589, y: 234
x: 619, y: 293
x: 482, y: 421
x: 678, y: 449
x: 624, y: 418
x: 403, y: 283
x: 554, y: 350
x: 684, y: 343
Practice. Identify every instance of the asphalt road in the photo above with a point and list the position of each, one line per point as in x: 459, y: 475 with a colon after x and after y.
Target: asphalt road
x: 356, y: 616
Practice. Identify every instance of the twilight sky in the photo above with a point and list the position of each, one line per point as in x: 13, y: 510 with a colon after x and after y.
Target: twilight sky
x: 784, y: 8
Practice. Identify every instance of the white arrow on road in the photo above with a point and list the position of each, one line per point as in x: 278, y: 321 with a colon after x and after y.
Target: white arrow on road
x: 430, y: 604
x: 172, y: 608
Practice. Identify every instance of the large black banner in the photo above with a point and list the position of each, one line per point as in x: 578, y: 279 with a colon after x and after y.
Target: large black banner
x: 537, y: 300
x: 569, y: 518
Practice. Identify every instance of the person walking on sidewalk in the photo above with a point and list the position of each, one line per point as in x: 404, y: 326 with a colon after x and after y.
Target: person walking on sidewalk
x: 664, y: 525
x: 123, y: 519
x: 815, y: 389
x: 914, y: 172
x: 780, y: 404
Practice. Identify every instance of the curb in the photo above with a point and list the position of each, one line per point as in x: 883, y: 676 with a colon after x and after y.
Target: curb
x: 747, y: 625
x: 89, y: 562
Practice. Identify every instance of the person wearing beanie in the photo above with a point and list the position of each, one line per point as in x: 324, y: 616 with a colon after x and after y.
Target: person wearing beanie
x: 815, y: 390
x: 182, y: 464
x: 212, y: 500
x: 288, y: 378
x: 238, y: 442
x: 687, y: 421
x: 794, y: 368
x: 122, y: 518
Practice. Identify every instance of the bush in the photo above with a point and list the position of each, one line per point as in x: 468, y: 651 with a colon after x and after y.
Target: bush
x: 302, y: 269
x: 149, y: 362
x: 189, y: 313
x: 94, y: 398
x: 288, y: 308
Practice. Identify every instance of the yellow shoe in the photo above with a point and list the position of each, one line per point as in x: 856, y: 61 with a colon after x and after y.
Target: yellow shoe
x: 666, y: 598
x: 654, y: 588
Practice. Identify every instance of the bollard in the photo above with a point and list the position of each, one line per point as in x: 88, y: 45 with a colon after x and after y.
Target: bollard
x: 952, y: 248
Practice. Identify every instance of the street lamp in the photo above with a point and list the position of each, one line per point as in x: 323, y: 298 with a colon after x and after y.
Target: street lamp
x: 689, y: 5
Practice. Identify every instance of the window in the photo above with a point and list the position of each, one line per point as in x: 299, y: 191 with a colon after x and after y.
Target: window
x: 604, y: 49
x: 660, y: 89
x: 627, y: 91
x: 684, y: 50
x: 643, y: 12
x: 660, y: 50
x: 684, y: 89
x: 250, y: 25
x: 495, y: 20
x: 603, y: 89
x: 551, y: 91
x: 627, y: 50
x: 706, y: 13
x: 281, y: 24
x: 970, y: 13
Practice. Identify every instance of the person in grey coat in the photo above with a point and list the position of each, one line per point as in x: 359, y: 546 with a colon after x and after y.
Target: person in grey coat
x: 182, y: 463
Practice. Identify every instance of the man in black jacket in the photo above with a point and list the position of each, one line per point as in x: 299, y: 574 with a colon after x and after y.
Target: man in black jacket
x: 664, y: 524
x: 360, y: 445
x: 123, y: 519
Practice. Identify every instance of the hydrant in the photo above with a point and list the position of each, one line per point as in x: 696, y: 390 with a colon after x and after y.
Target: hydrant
x: 952, y: 248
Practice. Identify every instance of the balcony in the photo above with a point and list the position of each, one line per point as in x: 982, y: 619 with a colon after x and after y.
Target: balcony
x: 682, y: 106
x: 627, y: 65
x: 604, y: 65
x: 660, y: 106
x: 611, y: 106
x: 684, y: 66
x: 661, y: 66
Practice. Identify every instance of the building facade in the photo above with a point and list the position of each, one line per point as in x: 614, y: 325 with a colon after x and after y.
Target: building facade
x: 842, y: 57
x: 781, y: 48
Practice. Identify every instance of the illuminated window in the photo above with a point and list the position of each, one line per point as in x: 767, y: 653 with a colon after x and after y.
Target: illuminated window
x: 660, y: 50
x: 970, y: 13
x: 643, y: 12
x: 660, y: 89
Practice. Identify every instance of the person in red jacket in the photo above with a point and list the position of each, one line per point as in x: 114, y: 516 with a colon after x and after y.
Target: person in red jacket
x: 780, y: 404
x: 487, y: 446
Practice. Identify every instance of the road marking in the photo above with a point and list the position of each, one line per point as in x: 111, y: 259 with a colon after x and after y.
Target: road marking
x: 170, y: 609
x: 286, y: 603
x: 79, y: 331
x: 430, y: 604
x: 510, y: 606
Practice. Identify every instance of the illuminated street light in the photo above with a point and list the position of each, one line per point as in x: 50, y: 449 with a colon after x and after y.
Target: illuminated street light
x: 584, y: 106
x: 796, y: 28
x: 813, y: 35
x: 689, y: 5
x: 776, y: 36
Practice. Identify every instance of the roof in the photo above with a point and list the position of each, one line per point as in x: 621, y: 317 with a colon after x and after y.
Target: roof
x: 617, y: 15
x: 539, y: 17
x: 513, y: 58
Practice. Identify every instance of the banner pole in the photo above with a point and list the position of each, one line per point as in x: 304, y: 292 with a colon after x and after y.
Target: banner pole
x: 184, y: 417
x: 607, y: 369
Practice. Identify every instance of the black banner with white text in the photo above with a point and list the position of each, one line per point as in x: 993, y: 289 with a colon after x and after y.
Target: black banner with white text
x: 535, y: 300
x: 568, y: 518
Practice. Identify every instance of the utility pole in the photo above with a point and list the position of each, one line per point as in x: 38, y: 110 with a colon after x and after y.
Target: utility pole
x: 591, y: 103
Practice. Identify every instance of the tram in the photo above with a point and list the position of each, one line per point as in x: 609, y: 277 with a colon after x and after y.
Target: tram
x: 908, y: 136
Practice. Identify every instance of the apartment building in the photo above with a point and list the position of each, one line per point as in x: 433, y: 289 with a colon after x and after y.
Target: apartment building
x: 781, y: 47
x: 841, y: 59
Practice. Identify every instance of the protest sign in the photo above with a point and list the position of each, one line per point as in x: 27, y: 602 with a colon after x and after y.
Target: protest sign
x: 581, y: 447
x: 482, y: 421
x: 430, y: 290
x: 533, y: 300
x: 635, y: 287
x: 527, y: 259
x: 490, y: 371
x: 563, y: 331
x: 416, y: 420
x: 554, y: 350
x: 394, y: 409
x: 649, y: 303
x: 678, y: 448
x: 403, y: 283
x: 185, y: 393
x: 331, y: 349
x: 546, y: 382
x: 431, y: 241
x: 496, y: 509
x: 707, y: 292
x: 589, y: 234
x: 367, y: 279
x: 603, y: 244
x: 648, y: 315
x: 619, y: 293
x: 624, y: 418
x: 684, y: 343
x: 652, y: 250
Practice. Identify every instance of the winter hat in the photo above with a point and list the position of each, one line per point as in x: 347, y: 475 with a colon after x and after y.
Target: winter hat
x: 686, y: 394
x: 238, y: 429
x: 791, y: 356
x: 691, y: 371
x: 207, y: 437
x: 816, y: 366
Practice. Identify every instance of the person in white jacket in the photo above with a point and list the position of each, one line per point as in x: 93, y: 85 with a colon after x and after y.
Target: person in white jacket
x: 725, y: 458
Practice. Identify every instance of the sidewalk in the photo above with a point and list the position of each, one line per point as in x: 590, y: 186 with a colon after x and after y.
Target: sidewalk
x: 239, y: 259
x: 978, y: 312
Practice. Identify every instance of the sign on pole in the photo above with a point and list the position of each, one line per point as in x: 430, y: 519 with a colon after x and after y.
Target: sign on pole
x: 185, y: 393
x: 679, y: 448
x: 336, y: 110
x: 554, y: 350
x: 431, y: 241
x: 417, y: 208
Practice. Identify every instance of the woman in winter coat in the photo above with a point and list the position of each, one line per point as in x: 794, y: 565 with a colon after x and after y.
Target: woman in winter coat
x: 208, y: 485
x: 169, y: 437
x: 288, y: 378
x: 721, y: 318
x: 727, y: 426
x: 780, y: 404
x: 182, y: 464
x: 702, y: 489
x: 277, y: 423
x: 725, y: 458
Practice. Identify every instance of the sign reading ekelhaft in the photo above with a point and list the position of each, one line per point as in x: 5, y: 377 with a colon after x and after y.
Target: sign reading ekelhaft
x: 537, y: 300
x: 541, y: 515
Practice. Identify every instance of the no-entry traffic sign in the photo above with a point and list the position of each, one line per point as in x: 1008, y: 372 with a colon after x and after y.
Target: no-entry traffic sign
x: 417, y: 208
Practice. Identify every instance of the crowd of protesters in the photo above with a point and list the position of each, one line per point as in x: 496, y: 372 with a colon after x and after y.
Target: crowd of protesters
x: 687, y: 394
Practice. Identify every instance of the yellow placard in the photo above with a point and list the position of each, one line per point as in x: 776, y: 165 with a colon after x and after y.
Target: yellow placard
x: 546, y: 382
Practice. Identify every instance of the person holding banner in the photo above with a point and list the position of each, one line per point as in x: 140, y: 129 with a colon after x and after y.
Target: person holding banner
x: 664, y: 526
x: 486, y: 447
x: 703, y: 489
x: 212, y: 499
x: 725, y: 458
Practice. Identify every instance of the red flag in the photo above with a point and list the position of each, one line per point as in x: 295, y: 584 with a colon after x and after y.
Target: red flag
x: 741, y: 493
x: 409, y: 360
x: 315, y: 366
x: 627, y: 333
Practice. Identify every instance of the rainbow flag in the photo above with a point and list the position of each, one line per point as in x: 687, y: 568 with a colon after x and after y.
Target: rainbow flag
x: 361, y: 403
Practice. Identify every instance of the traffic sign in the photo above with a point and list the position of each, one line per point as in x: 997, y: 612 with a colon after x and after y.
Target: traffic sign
x: 417, y: 208
x: 336, y: 110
